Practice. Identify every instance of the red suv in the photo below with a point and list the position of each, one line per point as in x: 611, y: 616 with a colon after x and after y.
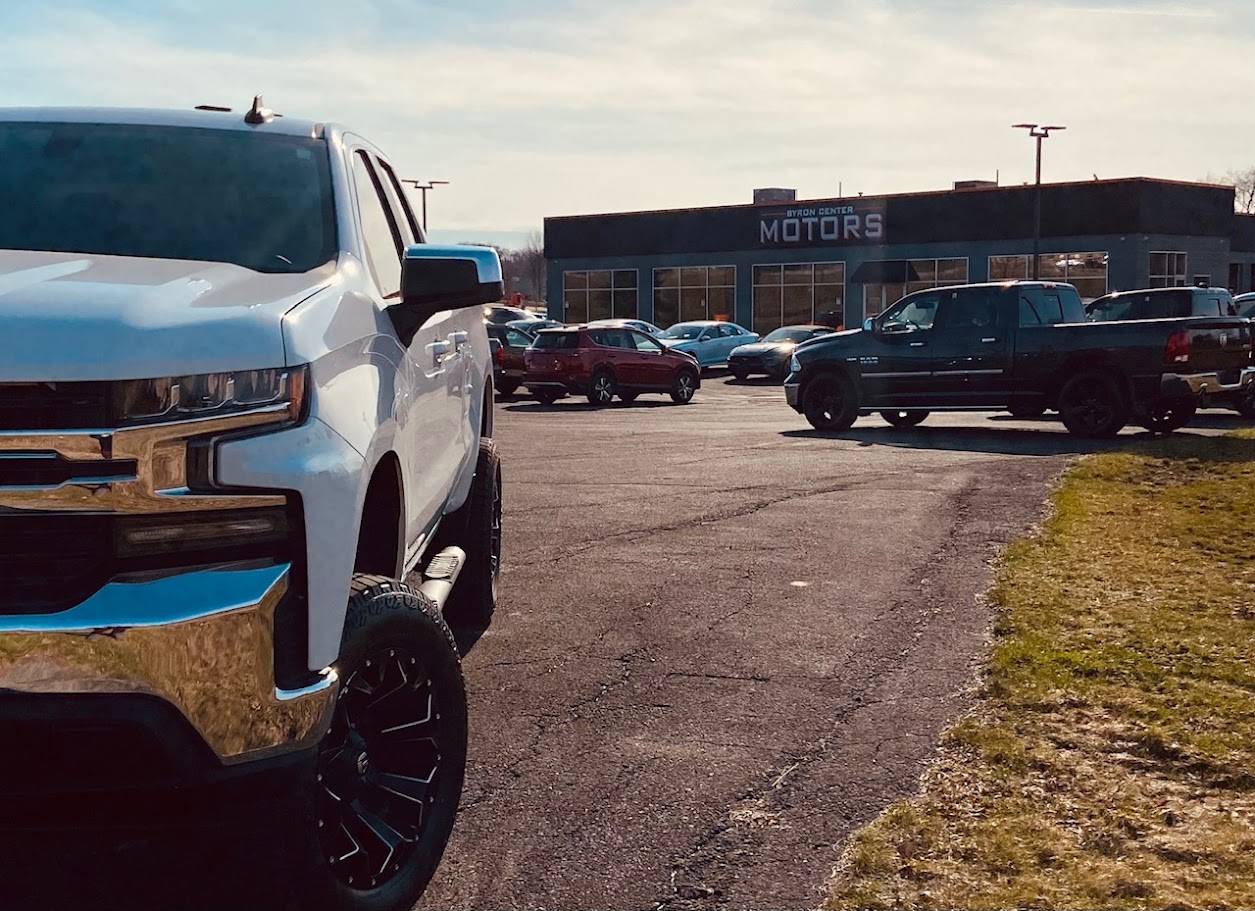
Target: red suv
x: 605, y: 361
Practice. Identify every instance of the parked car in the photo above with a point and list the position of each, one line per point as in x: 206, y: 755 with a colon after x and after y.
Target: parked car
x: 771, y: 354
x: 247, y: 417
x: 508, y: 366
x: 604, y: 362
x: 535, y: 324
x: 638, y: 324
x: 1161, y: 303
x: 1167, y: 303
x: 998, y: 345
x: 1245, y: 304
x: 501, y: 314
x: 709, y: 341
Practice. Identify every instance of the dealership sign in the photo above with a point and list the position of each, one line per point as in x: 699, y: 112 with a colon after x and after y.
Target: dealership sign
x: 834, y: 224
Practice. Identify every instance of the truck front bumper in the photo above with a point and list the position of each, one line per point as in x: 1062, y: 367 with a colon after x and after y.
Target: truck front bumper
x: 201, y: 641
x: 793, y: 392
x: 1175, y: 385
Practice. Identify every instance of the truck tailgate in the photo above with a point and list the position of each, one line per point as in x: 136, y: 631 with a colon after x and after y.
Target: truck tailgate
x: 1222, y: 345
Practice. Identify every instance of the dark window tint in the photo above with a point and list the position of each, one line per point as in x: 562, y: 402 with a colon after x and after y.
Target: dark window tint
x: 1208, y: 306
x: 1072, y: 305
x: 968, y: 308
x: 643, y: 342
x: 557, y: 340
x: 259, y: 201
x: 383, y: 244
x: 401, y: 202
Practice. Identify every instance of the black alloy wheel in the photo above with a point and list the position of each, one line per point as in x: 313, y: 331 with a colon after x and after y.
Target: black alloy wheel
x: 684, y: 387
x: 1169, y: 416
x: 378, y: 768
x: 602, y: 388
x: 1091, y: 405
x: 830, y: 402
x: 904, y: 419
x: 386, y: 779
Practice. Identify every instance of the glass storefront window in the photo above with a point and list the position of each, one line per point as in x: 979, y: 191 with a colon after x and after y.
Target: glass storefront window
x: 1087, y: 271
x: 1167, y: 269
x: 694, y: 293
x: 797, y: 294
x: 599, y: 294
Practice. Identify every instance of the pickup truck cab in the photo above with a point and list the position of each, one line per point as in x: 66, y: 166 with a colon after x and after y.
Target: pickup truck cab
x: 241, y: 400
x: 1161, y: 303
x: 1018, y: 345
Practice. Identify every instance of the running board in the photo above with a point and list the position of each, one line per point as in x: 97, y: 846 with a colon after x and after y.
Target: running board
x: 441, y: 573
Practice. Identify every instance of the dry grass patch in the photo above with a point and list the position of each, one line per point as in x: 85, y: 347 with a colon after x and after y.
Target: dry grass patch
x: 1111, y: 761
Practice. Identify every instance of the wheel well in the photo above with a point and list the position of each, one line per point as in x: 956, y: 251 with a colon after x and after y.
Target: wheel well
x: 379, y: 540
x: 486, y: 419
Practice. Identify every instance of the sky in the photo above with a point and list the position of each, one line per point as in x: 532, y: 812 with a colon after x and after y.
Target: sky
x: 535, y: 108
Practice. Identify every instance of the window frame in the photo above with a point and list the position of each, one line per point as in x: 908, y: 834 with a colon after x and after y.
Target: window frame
x: 367, y: 157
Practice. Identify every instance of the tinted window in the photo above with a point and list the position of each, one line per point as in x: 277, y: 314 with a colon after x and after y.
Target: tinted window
x: 383, y: 244
x: 644, y: 342
x: 918, y: 311
x: 1073, y: 308
x: 516, y: 339
x: 1208, y: 306
x: 261, y: 202
x: 969, y: 308
x: 557, y: 340
x: 729, y: 331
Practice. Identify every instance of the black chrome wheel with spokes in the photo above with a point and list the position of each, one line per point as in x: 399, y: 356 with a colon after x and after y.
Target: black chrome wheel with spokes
x: 383, y: 788
x: 378, y: 768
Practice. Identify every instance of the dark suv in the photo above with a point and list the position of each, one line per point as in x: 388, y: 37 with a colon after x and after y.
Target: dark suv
x: 602, y: 362
x: 1161, y: 303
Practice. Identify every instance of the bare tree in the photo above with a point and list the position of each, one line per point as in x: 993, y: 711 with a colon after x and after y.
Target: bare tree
x: 1243, y: 182
x: 532, y: 263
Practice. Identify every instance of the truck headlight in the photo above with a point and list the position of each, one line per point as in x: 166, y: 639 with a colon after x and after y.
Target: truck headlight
x: 211, y: 394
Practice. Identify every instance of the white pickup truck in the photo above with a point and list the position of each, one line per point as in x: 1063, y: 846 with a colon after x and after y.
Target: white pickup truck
x: 241, y: 399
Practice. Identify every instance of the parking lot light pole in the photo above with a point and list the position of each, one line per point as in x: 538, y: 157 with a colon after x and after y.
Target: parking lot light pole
x: 1038, y: 133
x: 424, y: 186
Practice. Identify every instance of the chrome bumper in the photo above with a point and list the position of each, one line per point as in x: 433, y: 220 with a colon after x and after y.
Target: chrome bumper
x: 1207, y: 383
x: 202, y: 640
x: 791, y: 395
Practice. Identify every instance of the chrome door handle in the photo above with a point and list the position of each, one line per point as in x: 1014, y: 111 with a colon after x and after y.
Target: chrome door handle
x: 439, y: 349
x: 459, y: 338
x: 918, y: 344
x: 988, y: 340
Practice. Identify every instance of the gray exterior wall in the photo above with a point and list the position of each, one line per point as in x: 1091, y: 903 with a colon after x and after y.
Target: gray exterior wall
x: 1128, y: 265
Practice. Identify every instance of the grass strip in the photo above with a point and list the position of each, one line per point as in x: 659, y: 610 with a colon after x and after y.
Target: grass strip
x: 1110, y: 761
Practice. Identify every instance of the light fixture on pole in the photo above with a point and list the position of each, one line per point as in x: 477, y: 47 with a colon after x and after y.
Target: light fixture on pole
x: 1039, y: 133
x: 424, y: 186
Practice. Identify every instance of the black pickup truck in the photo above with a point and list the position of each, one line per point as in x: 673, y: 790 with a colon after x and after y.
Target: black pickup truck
x: 1023, y: 347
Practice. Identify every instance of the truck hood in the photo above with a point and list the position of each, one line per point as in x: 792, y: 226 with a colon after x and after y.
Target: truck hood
x: 71, y: 316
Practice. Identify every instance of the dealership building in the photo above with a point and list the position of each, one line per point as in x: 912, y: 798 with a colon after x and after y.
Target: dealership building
x: 782, y: 261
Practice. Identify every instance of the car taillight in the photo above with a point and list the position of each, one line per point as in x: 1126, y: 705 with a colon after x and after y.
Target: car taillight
x: 1178, y: 349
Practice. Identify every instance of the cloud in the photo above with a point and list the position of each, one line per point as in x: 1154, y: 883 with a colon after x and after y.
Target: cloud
x: 585, y: 106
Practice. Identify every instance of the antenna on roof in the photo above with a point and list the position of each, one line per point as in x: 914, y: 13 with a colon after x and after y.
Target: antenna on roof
x: 259, y: 114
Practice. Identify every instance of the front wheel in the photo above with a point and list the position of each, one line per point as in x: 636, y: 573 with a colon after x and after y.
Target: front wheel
x: 1091, y: 405
x: 904, y: 419
x: 1167, y: 417
x: 384, y: 790
x: 602, y: 388
x: 684, y: 387
x: 830, y: 402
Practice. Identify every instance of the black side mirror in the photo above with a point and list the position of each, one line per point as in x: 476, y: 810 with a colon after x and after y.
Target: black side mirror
x: 437, y: 278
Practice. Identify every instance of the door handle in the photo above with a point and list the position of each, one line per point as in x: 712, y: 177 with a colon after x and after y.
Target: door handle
x: 459, y: 338
x: 919, y: 344
x: 988, y: 340
x: 439, y: 349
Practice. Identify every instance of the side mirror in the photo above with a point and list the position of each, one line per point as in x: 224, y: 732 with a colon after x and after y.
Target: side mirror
x: 869, y: 325
x: 436, y: 278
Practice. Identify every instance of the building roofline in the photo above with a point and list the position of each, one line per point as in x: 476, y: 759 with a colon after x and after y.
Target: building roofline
x: 886, y: 196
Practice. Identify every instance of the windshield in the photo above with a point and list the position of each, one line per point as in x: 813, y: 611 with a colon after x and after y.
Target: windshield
x: 788, y: 335
x: 684, y: 331
x: 262, y: 202
x: 1246, y: 306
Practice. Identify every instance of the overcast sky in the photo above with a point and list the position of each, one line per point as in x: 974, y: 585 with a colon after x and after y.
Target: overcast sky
x: 559, y: 107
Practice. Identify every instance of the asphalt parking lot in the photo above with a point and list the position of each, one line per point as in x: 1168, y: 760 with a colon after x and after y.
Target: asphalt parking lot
x: 726, y: 641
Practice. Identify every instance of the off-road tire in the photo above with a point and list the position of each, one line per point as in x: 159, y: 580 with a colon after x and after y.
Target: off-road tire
x: 476, y: 528
x: 684, y: 386
x: 395, y: 643
x: 830, y: 402
x: 602, y: 387
x: 904, y: 420
x: 1169, y: 416
x: 1091, y: 406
